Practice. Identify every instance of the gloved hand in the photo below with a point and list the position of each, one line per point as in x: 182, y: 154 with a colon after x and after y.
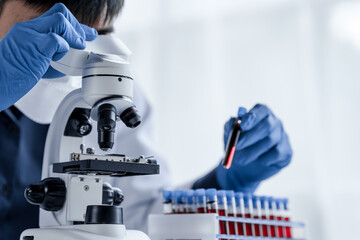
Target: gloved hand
x: 263, y: 150
x: 28, y: 48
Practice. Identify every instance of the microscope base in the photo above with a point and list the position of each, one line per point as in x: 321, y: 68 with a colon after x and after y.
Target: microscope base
x: 84, y: 232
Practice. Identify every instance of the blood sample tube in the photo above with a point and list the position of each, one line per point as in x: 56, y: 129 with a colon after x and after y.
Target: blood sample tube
x: 231, y: 212
x: 178, y: 202
x: 248, y: 213
x: 280, y: 216
x: 167, y: 208
x: 211, y: 201
x: 189, y: 201
x: 200, y: 199
x: 240, y: 212
x: 222, y: 210
x: 287, y: 216
x: 231, y: 144
x: 272, y: 214
x: 257, y: 215
x: 265, y: 215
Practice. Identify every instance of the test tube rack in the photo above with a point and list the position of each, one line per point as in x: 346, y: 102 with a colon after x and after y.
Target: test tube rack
x: 206, y: 227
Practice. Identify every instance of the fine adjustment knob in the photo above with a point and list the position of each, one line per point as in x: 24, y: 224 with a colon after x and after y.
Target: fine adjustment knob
x: 49, y: 194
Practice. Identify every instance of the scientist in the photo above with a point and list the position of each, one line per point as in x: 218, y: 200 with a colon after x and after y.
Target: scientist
x: 34, y: 32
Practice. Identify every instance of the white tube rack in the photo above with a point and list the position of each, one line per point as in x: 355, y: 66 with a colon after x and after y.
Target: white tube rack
x: 206, y: 227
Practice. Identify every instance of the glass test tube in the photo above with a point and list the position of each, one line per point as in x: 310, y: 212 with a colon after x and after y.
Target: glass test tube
x: 211, y: 201
x: 178, y: 202
x: 265, y: 215
x: 287, y: 216
x: 189, y: 201
x: 222, y: 210
x: 272, y: 213
x: 257, y: 215
x: 200, y: 199
x: 231, y: 212
x: 280, y: 216
x: 167, y: 206
x: 248, y: 213
x: 240, y: 212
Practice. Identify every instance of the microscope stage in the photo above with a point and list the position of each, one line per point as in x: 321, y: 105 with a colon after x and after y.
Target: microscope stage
x: 103, y: 167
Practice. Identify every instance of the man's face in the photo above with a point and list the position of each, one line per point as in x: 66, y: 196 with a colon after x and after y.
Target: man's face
x: 17, y: 11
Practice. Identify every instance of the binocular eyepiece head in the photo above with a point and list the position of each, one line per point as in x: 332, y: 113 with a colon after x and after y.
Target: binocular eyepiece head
x: 107, y: 123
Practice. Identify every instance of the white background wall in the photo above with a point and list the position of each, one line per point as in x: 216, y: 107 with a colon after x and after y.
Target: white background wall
x: 197, y: 61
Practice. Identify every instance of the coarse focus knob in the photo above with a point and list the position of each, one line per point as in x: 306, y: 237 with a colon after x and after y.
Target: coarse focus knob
x: 111, y: 195
x: 49, y: 194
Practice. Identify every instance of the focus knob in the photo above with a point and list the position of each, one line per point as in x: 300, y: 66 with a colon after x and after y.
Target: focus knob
x: 49, y: 194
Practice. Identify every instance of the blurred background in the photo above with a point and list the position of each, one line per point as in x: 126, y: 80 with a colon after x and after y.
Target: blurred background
x: 197, y: 61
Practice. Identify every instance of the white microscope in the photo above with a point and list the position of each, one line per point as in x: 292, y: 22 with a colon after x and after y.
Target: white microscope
x: 75, y: 199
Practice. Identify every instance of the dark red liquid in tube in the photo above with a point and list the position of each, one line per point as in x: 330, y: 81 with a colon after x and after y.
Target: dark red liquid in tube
x: 222, y: 223
x: 280, y: 228
x: 231, y: 225
x: 248, y: 226
x: 288, y: 229
x: 211, y: 211
x: 231, y: 144
x: 272, y: 227
x: 257, y: 227
x: 240, y: 225
x: 265, y: 228
x: 200, y: 210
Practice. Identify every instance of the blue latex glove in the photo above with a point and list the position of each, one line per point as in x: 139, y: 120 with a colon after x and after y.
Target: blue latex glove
x: 28, y: 48
x: 263, y: 150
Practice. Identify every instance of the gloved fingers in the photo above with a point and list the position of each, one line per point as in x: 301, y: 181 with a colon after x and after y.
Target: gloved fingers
x: 53, y: 46
x: 57, y: 23
x: 282, y: 151
x: 254, y: 116
x: 251, y: 153
x: 84, y: 31
x: 53, y: 73
x: 279, y: 155
x: 241, y: 112
x: 90, y: 33
x: 259, y: 132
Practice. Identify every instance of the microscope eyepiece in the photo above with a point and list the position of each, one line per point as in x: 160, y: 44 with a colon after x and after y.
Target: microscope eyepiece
x: 131, y: 117
x: 106, y: 126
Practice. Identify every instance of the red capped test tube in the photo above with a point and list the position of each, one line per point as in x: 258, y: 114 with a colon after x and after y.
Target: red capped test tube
x: 200, y: 199
x: 167, y: 206
x: 240, y: 212
x: 190, y: 201
x: 222, y: 210
x: 231, y: 212
x: 257, y: 215
x: 211, y: 201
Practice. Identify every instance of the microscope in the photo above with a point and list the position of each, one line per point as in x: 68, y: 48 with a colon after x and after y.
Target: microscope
x: 75, y: 199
